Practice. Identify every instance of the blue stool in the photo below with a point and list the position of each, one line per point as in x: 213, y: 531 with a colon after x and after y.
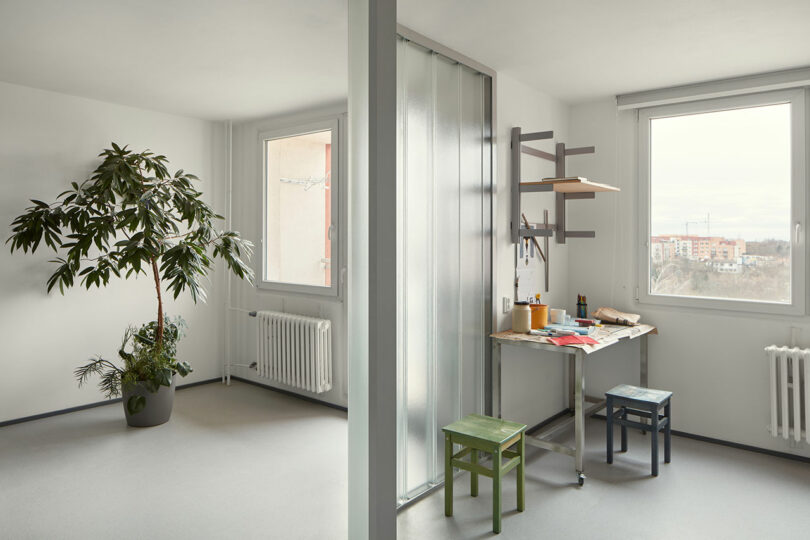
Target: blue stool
x: 645, y: 403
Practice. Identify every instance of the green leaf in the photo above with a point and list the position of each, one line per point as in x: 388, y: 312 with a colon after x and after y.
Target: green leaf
x: 136, y: 404
x: 183, y: 368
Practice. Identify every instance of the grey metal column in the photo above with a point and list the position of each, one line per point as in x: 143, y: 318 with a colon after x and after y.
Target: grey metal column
x: 372, y: 284
x: 579, y: 413
x: 496, y: 378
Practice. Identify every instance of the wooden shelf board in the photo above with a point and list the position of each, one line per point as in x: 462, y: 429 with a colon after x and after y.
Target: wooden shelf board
x: 572, y: 185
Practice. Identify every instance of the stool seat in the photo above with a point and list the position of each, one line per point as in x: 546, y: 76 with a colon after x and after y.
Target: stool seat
x: 645, y: 403
x: 486, y: 429
x: 476, y: 433
x: 638, y: 393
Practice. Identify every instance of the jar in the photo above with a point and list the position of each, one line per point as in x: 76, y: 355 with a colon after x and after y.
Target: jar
x: 539, y: 316
x: 522, y: 318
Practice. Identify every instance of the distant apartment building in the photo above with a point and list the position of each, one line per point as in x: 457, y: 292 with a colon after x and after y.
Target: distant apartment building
x: 696, y: 248
x: 726, y: 266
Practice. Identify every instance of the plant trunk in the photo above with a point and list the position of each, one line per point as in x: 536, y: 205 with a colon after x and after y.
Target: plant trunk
x: 159, y: 333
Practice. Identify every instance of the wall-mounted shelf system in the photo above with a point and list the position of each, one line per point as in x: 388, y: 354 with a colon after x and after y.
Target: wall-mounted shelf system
x: 566, y: 188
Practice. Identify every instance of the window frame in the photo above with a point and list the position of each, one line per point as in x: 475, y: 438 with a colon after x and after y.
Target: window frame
x: 799, y: 204
x: 335, y: 125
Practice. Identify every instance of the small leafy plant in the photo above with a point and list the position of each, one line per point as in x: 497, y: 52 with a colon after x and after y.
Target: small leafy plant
x: 146, y: 362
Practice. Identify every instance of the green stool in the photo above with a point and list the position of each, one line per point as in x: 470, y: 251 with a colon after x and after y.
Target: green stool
x: 491, y: 435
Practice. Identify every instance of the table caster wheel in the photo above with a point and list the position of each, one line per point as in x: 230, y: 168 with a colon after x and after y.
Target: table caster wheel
x: 581, y: 479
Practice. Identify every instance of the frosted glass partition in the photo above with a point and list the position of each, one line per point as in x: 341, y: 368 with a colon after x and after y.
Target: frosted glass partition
x: 444, y: 223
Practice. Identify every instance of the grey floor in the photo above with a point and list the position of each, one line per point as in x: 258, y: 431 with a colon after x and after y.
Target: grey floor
x: 708, y: 491
x: 239, y: 462
x: 245, y: 462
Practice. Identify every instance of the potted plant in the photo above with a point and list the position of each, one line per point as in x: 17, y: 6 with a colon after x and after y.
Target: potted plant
x: 131, y: 217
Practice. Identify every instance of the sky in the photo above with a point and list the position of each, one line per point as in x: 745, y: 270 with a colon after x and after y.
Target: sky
x: 733, y: 166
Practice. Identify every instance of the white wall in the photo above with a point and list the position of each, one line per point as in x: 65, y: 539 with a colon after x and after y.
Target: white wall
x: 532, y: 382
x: 48, y: 140
x: 712, y: 360
x: 247, y: 198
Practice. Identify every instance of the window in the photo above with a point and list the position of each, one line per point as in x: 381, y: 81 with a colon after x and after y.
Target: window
x: 300, y: 198
x: 722, y: 186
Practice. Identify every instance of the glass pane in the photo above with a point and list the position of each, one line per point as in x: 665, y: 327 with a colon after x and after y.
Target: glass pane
x: 720, y: 204
x: 299, y: 209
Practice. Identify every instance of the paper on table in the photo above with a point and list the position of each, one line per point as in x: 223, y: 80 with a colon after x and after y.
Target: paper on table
x: 573, y: 340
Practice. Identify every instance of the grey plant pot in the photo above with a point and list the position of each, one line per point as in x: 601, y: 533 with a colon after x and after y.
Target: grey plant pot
x: 158, y: 407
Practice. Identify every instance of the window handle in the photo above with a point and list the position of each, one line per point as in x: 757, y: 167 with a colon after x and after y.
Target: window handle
x: 330, y: 232
x: 798, y: 232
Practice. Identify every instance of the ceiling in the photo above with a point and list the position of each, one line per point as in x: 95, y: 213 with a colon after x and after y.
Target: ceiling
x: 212, y: 59
x: 586, y: 49
x: 219, y: 59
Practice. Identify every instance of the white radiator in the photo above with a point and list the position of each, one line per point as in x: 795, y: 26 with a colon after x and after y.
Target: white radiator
x: 295, y: 350
x: 790, y: 390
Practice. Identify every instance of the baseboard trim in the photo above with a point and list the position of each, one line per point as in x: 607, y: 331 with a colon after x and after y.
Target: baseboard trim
x: 547, y: 421
x: 93, y: 405
x: 738, y: 446
x: 290, y: 393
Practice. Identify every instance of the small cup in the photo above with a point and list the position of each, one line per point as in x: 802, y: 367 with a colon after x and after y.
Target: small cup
x: 558, y: 316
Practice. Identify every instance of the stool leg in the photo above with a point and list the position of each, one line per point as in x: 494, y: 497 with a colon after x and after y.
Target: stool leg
x: 448, y: 475
x: 624, y: 430
x: 474, y: 475
x: 654, y: 439
x: 668, y: 433
x: 496, y: 491
x: 609, y: 433
x: 521, y: 474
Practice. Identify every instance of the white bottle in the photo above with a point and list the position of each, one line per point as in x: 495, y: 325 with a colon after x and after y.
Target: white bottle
x: 522, y: 318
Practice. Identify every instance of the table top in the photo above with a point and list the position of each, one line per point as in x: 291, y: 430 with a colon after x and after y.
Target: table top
x: 486, y: 428
x: 606, y: 335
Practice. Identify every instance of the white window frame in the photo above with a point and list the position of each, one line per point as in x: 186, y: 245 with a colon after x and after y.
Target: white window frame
x: 335, y: 125
x: 797, y: 98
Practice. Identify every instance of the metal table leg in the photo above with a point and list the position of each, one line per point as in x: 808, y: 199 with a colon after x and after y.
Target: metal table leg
x: 571, y: 384
x: 643, y: 371
x: 579, y: 414
x: 643, y: 362
x: 496, y: 378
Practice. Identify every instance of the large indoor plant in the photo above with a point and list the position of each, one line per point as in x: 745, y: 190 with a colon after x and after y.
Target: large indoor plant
x: 131, y: 217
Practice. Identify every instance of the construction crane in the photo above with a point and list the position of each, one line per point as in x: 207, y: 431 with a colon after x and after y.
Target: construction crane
x: 706, y: 222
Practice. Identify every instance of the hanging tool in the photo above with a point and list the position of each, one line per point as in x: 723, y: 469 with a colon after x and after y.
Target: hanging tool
x: 536, y: 243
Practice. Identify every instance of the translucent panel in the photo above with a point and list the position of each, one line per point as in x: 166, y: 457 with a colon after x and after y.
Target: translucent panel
x: 473, y: 216
x: 720, y: 205
x: 448, y: 250
x: 299, y: 209
x: 442, y: 261
x: 418, y: 260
